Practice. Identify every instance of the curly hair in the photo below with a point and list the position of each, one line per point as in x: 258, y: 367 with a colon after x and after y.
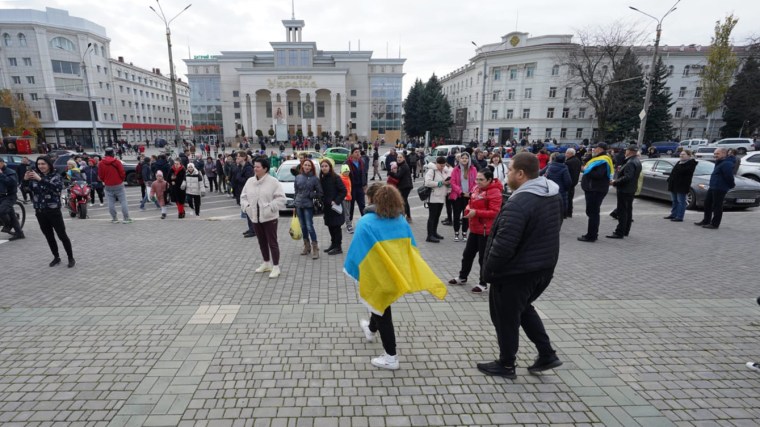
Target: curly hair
x: 387, y: 200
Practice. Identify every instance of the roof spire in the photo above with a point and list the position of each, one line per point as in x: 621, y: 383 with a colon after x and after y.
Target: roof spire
x: 293, y: 9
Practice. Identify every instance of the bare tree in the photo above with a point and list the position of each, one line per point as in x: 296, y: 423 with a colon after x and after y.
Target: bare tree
x: 592, y: 64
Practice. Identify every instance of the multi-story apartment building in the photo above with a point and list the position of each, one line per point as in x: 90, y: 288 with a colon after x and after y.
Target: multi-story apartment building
x: 44, y: 56
x: 348, y: 91
x: 528, y: 90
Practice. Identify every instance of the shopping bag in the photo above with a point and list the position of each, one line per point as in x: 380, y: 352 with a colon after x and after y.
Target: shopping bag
x: 295, y: 227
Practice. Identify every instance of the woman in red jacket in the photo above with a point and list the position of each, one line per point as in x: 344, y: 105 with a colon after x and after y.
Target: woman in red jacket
x: 484, y: 205
x: 543, y: 158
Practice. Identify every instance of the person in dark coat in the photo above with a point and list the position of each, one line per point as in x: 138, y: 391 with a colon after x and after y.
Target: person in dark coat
x: 520, y: 257
x: 721, y: 180
x: 177, y: 187
x: 626, y: 183
x: 405, y: 185
x: 597, y: 174
x: 333, y: 194
x: 574, y: 165
x: 679, y: 184
x: 557, y: 171
x: 358, y: 174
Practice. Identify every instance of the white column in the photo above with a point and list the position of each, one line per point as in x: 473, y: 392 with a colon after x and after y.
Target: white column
x: 244, y: 117
x: 313, y: 122
x: 333, y: 112
x: 250, y: 101
x: 343, y: 120
x: 302, y: 97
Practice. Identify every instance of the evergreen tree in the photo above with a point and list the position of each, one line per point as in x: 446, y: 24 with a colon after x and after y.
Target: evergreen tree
x: 742, y: 102
x: 438, y: 111
x: 626, y: 96
x: 659, y: 120
x: 413, y: 110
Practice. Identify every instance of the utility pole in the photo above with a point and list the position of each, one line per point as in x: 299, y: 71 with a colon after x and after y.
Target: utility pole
x: 483, y: 95
x: 95, y: 136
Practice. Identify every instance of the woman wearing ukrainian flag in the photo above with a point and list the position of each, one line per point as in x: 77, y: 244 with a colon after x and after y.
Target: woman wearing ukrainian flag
x: 384, y: 260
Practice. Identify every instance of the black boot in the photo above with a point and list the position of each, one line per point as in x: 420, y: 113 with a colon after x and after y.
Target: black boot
x: 72, y: 262
x: 55, y: 262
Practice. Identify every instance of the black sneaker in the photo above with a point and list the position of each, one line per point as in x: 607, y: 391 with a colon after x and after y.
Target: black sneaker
x: 431, y: 239
x: 544, y: 364
x: 6, y: 229
x: 446, y: 222
x: 497, y: 369
x: 18, y: 236
x: 335, y: 251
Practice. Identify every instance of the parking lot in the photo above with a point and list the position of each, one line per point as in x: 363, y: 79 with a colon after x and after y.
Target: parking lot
x: 163, y: 322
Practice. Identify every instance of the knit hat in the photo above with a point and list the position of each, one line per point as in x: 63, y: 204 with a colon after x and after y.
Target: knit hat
x: 344, y: 169
x: 159, y: 173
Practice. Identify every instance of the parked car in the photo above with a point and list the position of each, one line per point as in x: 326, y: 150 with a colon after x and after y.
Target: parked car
x: 705, y: 152
x: 442, y: 150
x: 561, y: 147
x: 665, y: 147
x: 693, y: 144
x: 750, y: 166
x: 130, y: 168
x: 741, y: 145
x: 337, y: 154
x: 288, y: 180
x: 745, y: 194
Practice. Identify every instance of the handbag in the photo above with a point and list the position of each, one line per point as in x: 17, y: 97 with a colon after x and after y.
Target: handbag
x: 424, y: 193
x: 295, y: 227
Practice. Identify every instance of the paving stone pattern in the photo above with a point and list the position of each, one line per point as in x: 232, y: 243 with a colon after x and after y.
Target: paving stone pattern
x: 163, y: 322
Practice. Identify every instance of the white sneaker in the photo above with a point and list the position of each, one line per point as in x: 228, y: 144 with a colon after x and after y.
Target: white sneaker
x: 101, y: 204
x: 275, y: 272
x: 364, y: 323
x: 386, y: 361
x: 754, y: 366
x: 456, y: 237
x: 265, y: 266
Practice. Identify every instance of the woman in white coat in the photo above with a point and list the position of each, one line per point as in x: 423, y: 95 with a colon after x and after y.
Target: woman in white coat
x: 194, y: 187
x: 261, y: 199
x: 438, y: 179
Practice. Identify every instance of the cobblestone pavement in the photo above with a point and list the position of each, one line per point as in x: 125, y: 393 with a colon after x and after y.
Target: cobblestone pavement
x: 163, y: 322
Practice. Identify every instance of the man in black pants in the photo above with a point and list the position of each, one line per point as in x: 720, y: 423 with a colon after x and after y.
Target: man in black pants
x: 8, y: 189
x: 626, y: 182
x: 721, y: 181
x: 597, y: 174
x: 574, y: 167
x: 521, y: 255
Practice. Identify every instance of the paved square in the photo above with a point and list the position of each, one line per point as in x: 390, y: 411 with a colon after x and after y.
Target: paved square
x: 164, y: 322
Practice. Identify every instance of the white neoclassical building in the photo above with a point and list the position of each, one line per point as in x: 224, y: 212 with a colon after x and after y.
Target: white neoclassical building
x: 296, y: 87
x: 528, y: 88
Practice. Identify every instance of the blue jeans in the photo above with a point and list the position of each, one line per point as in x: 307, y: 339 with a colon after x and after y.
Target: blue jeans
x: 113, y: 193
x: 679, y: 205
x: 306, y: 218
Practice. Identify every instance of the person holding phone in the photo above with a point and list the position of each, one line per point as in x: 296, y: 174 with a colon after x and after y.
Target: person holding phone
x: 45, y: 186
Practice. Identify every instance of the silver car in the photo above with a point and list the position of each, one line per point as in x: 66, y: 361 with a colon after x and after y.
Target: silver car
x: 745, y: 194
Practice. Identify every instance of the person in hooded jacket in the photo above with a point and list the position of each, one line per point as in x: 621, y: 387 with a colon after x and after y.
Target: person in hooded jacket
x: 111, y: 172
x: 679, y: 184
x: 147, y: 177
x: 334, y: 193
x: 558, y: 172
x: 521, y: 255
x: 177, y: 187
x: 403, y: 175
x: 481, y: 211
x: 96, y: 185
x: 163, y: 165
x: 194, y: 187
x: 307, y: 188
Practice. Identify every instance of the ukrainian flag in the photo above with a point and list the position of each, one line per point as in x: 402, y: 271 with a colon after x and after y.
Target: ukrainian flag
x: 601, y: 161
x: 384, y: 260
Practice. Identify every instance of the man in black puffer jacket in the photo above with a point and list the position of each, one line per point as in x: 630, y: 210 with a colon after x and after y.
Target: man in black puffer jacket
x: 521, y: 253
x: 626, y: 182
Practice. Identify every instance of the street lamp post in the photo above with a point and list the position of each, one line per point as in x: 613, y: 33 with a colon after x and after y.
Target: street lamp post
x: 647, y: 98
x: 482, y: 95
x: 172, y: 75
x: 95, y: 136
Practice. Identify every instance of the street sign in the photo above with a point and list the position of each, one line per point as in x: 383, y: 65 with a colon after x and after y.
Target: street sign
x: 308, y: 110
x: 642, y: 114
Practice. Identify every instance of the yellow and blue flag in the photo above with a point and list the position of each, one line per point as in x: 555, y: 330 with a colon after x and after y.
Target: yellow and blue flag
x: 601, y: 161
x: 385, y: 261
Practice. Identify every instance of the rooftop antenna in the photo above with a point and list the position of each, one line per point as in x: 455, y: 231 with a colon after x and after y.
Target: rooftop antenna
x: 517, y: 19
x: 359, y: 48
x: 399, y: 50
x: 387, y: 55
x: 293, y: 9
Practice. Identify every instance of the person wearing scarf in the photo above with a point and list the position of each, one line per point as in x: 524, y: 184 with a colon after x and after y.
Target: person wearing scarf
x: 178, y: 185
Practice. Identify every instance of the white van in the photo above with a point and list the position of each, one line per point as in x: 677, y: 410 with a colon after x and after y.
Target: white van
x: 443, y: 150
x: 693, y: 144
x: 741, y: 145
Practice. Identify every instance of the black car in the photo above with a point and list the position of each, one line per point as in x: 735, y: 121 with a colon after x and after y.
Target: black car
x: 129, y: 168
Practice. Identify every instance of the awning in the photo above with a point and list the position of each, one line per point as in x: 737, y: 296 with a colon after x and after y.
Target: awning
x: 148, y: 126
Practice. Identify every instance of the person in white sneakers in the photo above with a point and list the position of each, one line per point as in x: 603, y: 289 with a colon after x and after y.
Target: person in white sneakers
x: 261, y: 199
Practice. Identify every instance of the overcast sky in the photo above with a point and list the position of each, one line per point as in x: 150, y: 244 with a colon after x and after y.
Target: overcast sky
x: 434, y: 36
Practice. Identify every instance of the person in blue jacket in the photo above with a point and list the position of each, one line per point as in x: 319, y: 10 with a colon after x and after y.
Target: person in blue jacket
x: 721, y: 180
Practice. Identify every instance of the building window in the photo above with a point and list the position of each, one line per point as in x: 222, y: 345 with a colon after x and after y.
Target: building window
x: 666, y: 90
x: 679, y: 112
x: 555, y: 70
x: 529, y: 71
x: 353, y: 104
x: 694, y: 112
x: 290, y: 108
x: 33, y: 96
x: 496, y: 74
x: 670, y: 70
x: 320, y: 108
x: 236, y: 104
x: 526, y: 113
x: 353, y: 114
x: 528, y: 93
x: 65, y: 67
x: 494, y: 114
x: 20, y: 96
x: 513, y: 74
x: 30, y: 80
x: 698, y: 92
x: 548, y: 133
x: 269, y: 109
x: 21, y: 40
x: 7, y: 40
x: 689, y: 132
x: 237, y: 115
x: 682, y: 92
x: 579, y: 133
x: 584, y: 93
x: 686, y: 71
x: 581, y: 113
x: 38, y: 114
x: 563, y: 133
x: 568, y: 93
x: 511, y: 94
x: 510, y: 114
x: 12, y: 62
x: 28, y: 62
x: 102, y: 51
x: 552, y: 92
x: 495, y: 96
x: 16, y: 80
x: 63, y: 43
x: 550, y: 113
x: 353, y: 92
x: 236, y: 94
x: 565, y: 113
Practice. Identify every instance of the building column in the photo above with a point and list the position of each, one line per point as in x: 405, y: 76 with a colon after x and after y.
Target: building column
x: 333, y: 112
x: 302, y: 97
x: 343, y: 120
x: 250, y: 106
x: 244, y: 118
x: 313, y: 122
